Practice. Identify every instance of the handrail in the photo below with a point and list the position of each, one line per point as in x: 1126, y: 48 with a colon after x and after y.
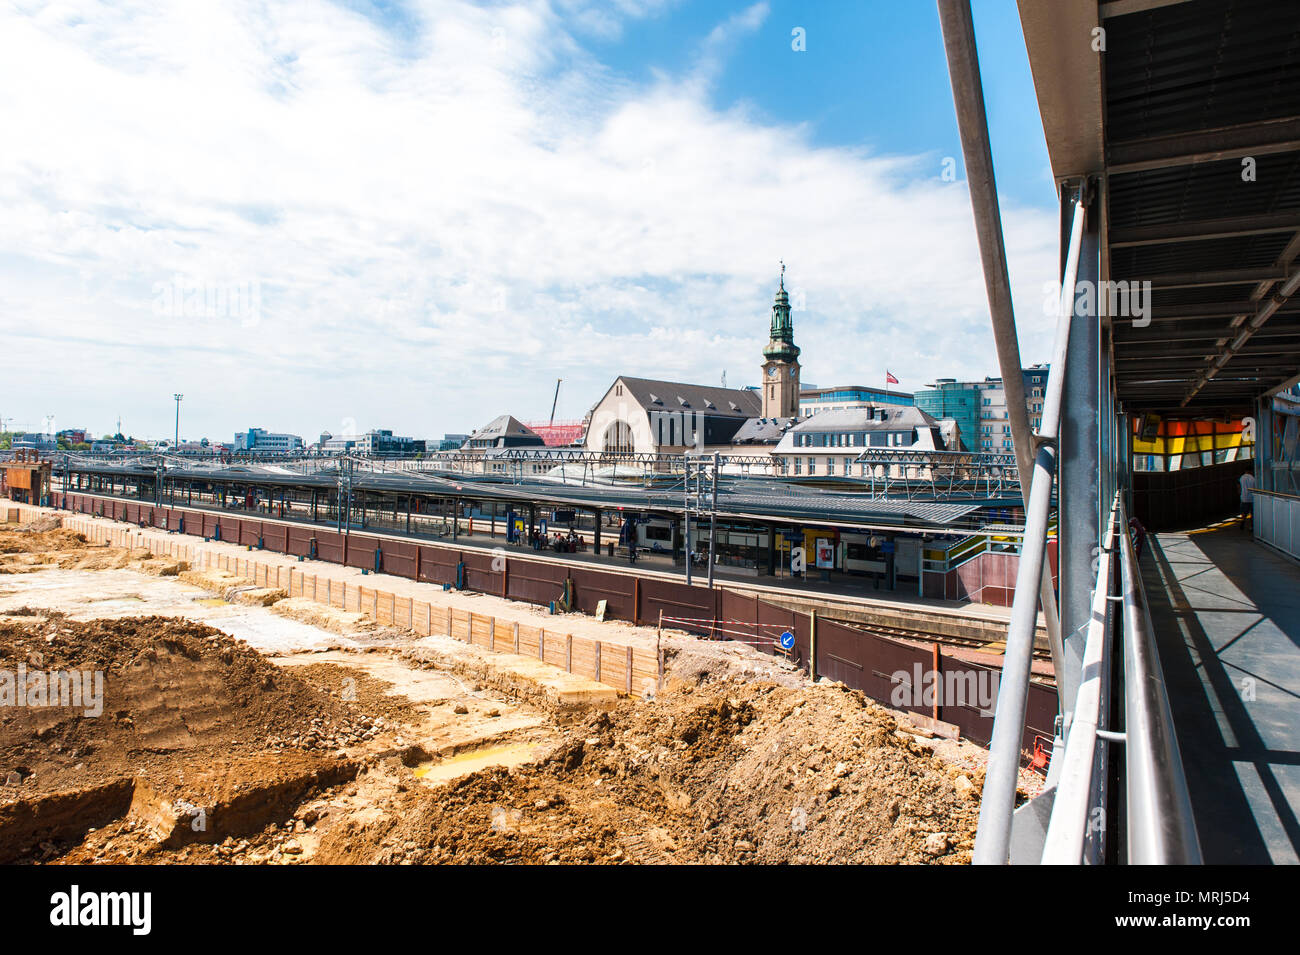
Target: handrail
x: 981, y: 542
x: 1160, y: 829
x: 1158, y: 825
x: 1281, y: 494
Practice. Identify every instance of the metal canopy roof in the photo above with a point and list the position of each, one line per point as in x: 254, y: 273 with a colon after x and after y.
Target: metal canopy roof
x: 742, y: 498
x: 1188, y: 90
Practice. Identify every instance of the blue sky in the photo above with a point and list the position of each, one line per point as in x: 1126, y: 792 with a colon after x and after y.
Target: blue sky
x: 872, y: 77
x: 332, y: 216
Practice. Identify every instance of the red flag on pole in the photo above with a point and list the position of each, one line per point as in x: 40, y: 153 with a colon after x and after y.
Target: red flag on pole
x: 889, y: 378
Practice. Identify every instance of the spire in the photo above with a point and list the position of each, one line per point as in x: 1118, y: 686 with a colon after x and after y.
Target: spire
x: 781, y: 347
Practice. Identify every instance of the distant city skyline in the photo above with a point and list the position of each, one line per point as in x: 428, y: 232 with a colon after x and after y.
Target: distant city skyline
x: 318, y: 214
x: 812, y: 400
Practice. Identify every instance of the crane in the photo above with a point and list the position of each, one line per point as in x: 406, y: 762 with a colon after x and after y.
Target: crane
x: 556, y: 399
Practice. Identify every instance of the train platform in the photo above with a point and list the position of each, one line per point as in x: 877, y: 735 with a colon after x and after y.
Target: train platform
x: 831, y: 587
x: 1226, y: 612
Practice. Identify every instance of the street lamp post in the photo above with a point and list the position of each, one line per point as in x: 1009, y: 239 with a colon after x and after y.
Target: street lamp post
x: 176, y: 438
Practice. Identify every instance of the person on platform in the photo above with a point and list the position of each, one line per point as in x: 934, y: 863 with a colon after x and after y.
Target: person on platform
x: 1247, y: 481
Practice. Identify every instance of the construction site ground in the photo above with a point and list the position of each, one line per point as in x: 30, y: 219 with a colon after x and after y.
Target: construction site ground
x: 240, y: 726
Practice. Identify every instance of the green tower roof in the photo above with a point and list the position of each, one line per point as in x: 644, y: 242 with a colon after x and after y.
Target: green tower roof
x: 782, y: 346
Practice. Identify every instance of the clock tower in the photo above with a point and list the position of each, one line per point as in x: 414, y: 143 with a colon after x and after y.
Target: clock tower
x: 781, y: 361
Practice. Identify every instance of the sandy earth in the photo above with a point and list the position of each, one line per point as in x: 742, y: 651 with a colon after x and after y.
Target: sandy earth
x: 231, y: 733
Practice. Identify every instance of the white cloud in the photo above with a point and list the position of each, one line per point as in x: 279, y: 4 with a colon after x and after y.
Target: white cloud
x: 442, y: 220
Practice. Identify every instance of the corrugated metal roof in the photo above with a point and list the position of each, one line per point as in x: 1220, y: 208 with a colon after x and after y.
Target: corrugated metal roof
x: 1191, y: 89
x: 764, y: 499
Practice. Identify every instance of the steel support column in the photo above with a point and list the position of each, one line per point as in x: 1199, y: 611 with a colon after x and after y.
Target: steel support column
x: 1079, y: 512
x: 972, y: 123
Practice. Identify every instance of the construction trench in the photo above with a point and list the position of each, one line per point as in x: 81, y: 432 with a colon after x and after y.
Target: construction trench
x: 241, y: 722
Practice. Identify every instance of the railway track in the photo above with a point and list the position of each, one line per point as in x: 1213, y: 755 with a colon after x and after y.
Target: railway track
x: 923, y: 636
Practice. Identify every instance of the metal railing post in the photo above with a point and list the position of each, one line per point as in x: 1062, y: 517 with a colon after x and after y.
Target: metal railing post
x: 1080, y: 787
x: 993, y: 838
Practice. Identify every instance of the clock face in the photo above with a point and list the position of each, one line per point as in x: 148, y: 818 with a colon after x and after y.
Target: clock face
x: 771, y: 371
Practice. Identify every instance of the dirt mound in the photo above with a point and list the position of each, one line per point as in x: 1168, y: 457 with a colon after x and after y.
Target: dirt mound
x: 165, y: 703
x: 692, y: 661
x: 27, y: 538
x: 47, y: 522
x: 167, y: 684
x: 753, y: 773
x: 24, y: 551
x: 333, y: 619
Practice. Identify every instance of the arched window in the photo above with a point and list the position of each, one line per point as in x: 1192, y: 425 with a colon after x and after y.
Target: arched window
x: 618, y: 438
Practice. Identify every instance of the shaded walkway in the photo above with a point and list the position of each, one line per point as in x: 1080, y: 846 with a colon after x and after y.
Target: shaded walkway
x: 1226, y: 612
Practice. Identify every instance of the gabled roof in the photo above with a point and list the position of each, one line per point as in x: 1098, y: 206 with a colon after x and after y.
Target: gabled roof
x: 503, y: 426
x: 656, y: 395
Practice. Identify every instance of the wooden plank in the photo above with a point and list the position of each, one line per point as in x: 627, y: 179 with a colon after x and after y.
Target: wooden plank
x: 937, y: 727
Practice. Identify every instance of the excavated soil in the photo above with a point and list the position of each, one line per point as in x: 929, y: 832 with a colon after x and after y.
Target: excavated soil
x: 42, y: 544
x: 711, y: 773
x: 753, y: 773
x: 187, y: 715
x: 206, y: 751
